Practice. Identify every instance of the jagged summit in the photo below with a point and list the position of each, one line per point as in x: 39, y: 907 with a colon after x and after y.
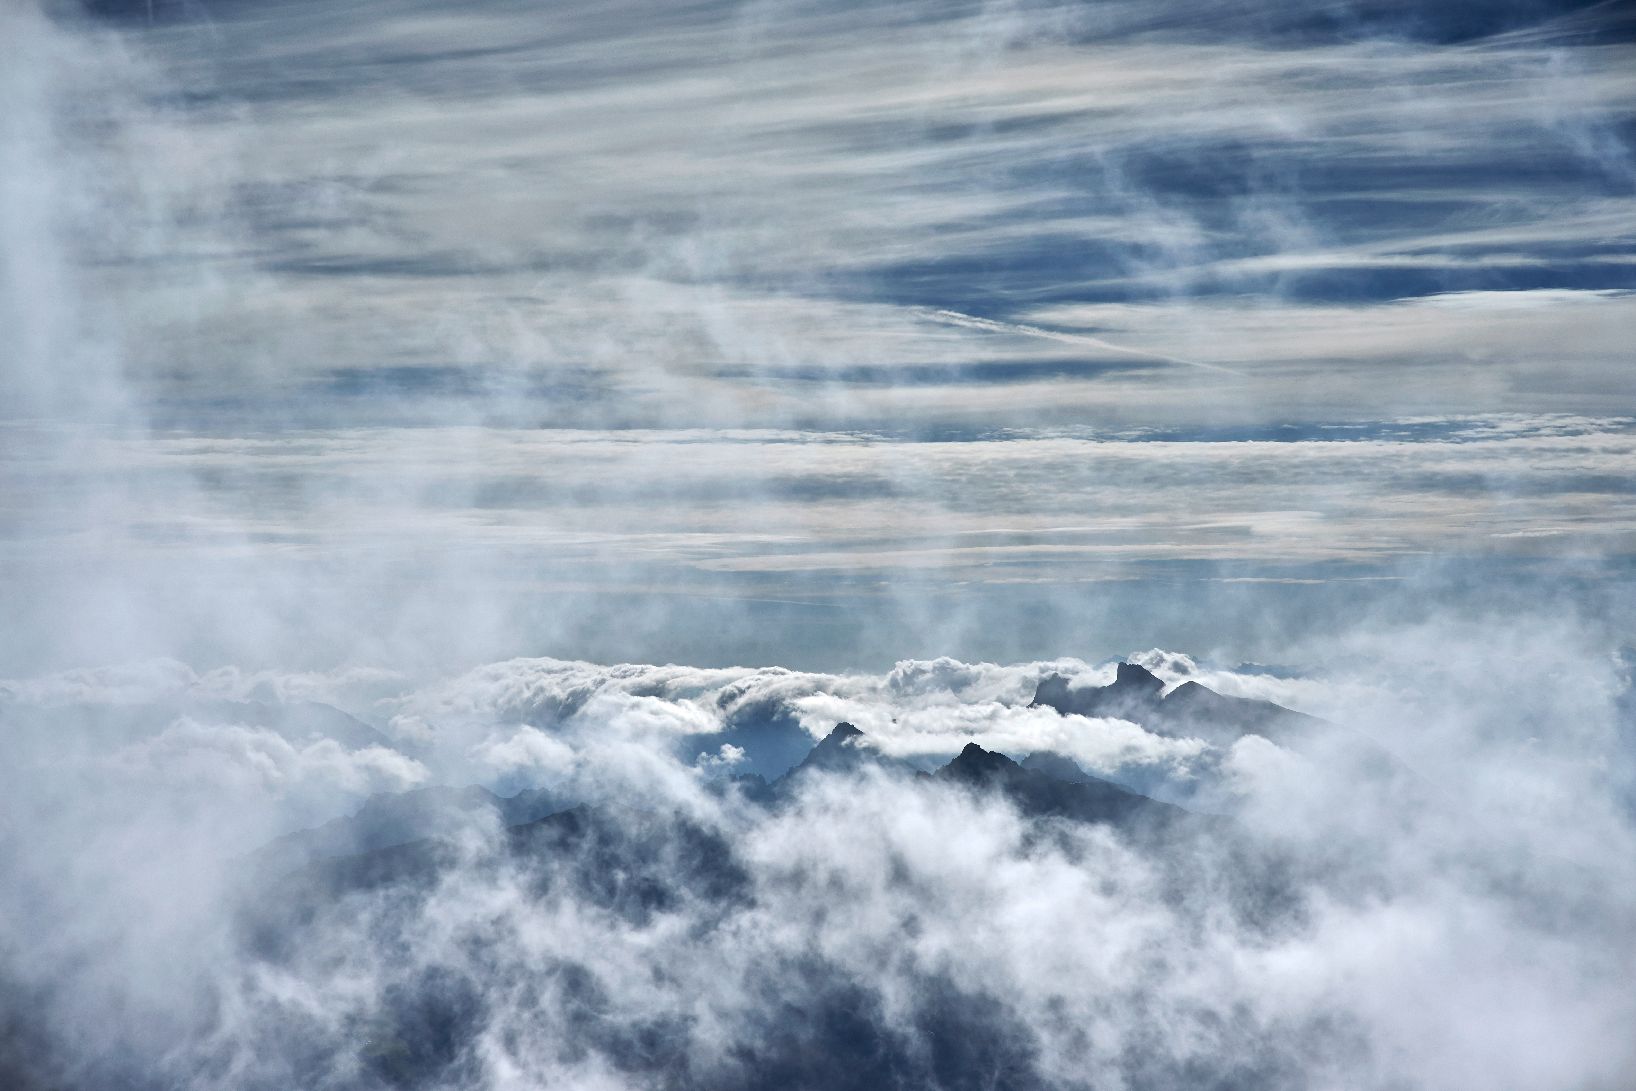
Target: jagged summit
x: 1056, y: 766
x: 1036, y: 791
x: 1137, y: 678
x: 1133, y: 693
x: 843, y: 748
x: 1191, y: 709
x: 976, y: 764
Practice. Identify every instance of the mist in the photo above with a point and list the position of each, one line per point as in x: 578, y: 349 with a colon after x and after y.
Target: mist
x: 460, y: 464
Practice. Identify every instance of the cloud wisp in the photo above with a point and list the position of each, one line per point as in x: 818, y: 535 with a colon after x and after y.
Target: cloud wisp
x: 972, y: 322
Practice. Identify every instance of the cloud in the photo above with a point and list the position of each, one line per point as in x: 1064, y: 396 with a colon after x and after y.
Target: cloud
x: 189, y: 758
x: 527, y: 751
x: 127, y: 684
x: 728, y: 757
x: 1299, y: 943
x: 349, y: 351
x: 331, y: 337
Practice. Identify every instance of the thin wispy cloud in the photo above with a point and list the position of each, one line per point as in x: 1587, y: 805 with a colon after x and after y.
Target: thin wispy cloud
x: 971, y: 322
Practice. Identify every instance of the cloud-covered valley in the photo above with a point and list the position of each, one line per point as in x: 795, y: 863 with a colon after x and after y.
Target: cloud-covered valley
x: 629, y: 907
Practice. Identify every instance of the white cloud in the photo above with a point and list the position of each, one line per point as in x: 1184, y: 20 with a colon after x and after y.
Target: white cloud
x: 234, y: 760
x: 528, y: 751
x: 127, y: 684
x: 727, y: 757
x: 1112, y: 958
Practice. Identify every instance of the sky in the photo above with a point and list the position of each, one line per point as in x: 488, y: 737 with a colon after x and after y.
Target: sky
x: 993, y: 329
x: 603, y: 400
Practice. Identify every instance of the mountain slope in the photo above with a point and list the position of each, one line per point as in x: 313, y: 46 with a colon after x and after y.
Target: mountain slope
x: 1191, y: 710
x: 1038, y: 793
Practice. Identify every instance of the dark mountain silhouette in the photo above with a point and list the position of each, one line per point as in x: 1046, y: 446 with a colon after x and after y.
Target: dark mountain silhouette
x: 295, y: 720
x: 1134, y: 689
x: 844, y: 750
x: 1156, y: 781
x: 839, y: 750
x: 404, y: 829
x: 1190, y: 710
x: 1040, y: 792
x: 750, y: 786
x: 1197, y: 710
x: 1056, y: 766
x: 387, y: 821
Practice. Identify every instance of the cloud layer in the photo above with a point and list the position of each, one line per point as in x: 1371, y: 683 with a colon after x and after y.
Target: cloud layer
x: 764, y: 302
x: 874, y: 926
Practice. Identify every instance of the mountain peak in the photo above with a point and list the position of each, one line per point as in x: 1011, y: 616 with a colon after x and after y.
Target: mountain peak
x: 1044, y: 791
x: 976, y: 764
x: 839, y: 750
x: 1056, y: 766
x: 1132, y: 693
x: 1191, y: 691
x: 1051, y: 692
x: 1136, y: 676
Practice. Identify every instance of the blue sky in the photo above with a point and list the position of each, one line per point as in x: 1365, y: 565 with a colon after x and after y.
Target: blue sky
x: 1001, y: 325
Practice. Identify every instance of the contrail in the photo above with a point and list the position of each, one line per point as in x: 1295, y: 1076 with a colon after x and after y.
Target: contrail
x: 971, y: 321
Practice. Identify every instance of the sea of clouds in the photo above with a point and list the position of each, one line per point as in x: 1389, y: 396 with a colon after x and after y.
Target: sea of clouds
x: 1332, y: 931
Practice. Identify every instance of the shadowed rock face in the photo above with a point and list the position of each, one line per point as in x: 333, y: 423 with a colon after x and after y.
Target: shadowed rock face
x: 1134, y: 692
x: 1200, y: 711
x: 1194, y: 711
x: 844, y: 750
x: 1055, y: 766
x: 1039, y: 793
x: 1189, y: 710
x: 417, y: 821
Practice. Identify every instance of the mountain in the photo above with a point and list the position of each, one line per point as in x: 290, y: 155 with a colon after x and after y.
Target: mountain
x: 1134, y: 691
x: 1191, y: 710
x: 1194, y: 711
x: 1056, y: 766
x: 1045, y: 789
x: 642, y: 864
x: 843, y: 750
x: 397, y: 834
x: 294, y: 720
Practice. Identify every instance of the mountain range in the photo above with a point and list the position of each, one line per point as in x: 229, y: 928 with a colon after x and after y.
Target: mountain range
x: 393, y: 862
x: 1043, y: 783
